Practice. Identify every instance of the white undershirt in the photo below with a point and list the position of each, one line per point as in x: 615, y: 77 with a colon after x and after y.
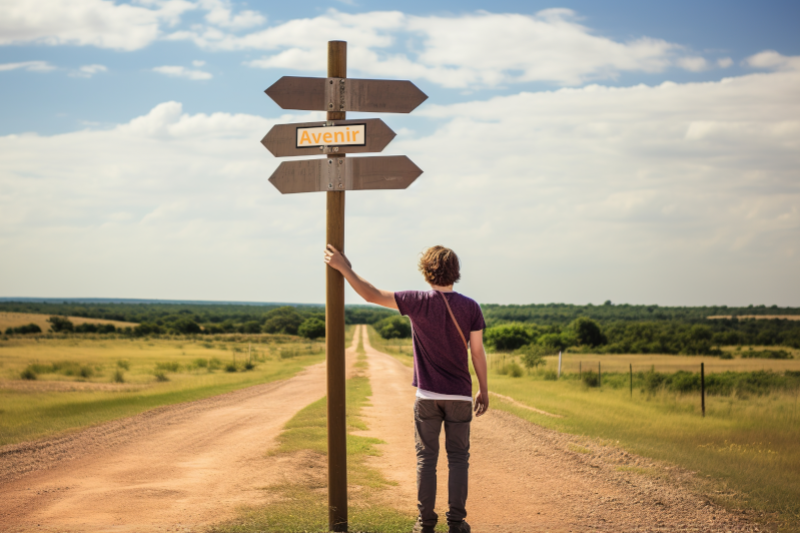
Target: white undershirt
x: 428, y: 395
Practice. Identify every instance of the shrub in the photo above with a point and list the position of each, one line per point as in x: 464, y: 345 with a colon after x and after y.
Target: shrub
x: 550, y: 375
x: 119, y: 376
x: 230, y: 367
x: 766, y: 354
x: 252, y: 326
x: 24, y: 330
x: 124, y: 364
x: 86, y: 371
x: 160, y: 375
x: 249, y: 365
x: 28, y: 373
x: 587, y: 332
x: 288, y: 353
x: 186, y: 326
x: 170, y: 366
x: 590, y: 378
x: 553, y: 342
x: 511, y: 369
x: 201, y: 363
x: 507, y: 336
x: 60, y: 324
x: 532, y: 355
x: 214, y: 363
x: 312, y: 328
x: 726, y: 355
x: 393, y: 327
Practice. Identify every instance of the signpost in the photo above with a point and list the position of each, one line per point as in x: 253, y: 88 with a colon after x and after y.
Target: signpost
x: 336, y: 174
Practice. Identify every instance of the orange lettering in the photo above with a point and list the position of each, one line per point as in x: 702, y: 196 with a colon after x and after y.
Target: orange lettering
x: 316, y: 137
x: 304, y: 138
x: 327, y: 137
x: 337, y: 135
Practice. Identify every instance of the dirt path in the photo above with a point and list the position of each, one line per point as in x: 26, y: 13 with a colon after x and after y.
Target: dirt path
x: 177, y: 468
x: 524, y: 478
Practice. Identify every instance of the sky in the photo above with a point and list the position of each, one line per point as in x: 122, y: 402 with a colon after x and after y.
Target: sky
x: 638, y: 152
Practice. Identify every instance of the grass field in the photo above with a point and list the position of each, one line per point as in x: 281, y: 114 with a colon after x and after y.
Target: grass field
x: 82, y: 380
x: 746, y: 450
x: 13, y: 320
x: 302, y: 506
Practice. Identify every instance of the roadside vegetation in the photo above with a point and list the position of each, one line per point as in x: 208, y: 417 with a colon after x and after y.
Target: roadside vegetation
x: 62, y: 383
x: 302, y: 506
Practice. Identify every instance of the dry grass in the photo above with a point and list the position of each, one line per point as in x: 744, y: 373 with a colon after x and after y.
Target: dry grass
x: 14, y: 320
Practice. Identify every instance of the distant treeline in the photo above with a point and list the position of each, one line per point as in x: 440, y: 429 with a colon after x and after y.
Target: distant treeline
x: 563, y: 314
x: 169, y: 318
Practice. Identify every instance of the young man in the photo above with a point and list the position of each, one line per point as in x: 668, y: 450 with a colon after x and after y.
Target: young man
x: 443, y: 323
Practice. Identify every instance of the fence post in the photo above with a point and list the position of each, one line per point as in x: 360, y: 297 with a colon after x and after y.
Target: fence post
x: 599, y: 376
x: 630, y: 365
x: 580, y: 372
x: 703, y: 388
x: 559, y: 365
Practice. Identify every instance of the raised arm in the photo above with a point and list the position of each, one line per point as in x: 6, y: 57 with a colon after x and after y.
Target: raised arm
x: 336, y: 260
x: 479, y: 363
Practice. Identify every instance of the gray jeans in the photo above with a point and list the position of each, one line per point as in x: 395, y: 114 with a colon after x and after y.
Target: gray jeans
x: 428, y: 418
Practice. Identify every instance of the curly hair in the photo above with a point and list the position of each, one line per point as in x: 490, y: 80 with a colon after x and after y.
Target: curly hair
x: 440, y: 266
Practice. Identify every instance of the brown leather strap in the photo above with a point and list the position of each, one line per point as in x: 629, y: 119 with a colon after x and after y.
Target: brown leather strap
x: 463, y: 338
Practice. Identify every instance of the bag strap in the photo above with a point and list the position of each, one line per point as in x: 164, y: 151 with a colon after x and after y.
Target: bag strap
x: 463, y: 338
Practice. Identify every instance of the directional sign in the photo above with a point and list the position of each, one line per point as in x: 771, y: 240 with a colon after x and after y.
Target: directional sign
x: 331, y: 137
x: 346, y: 94
x: 345, y: 174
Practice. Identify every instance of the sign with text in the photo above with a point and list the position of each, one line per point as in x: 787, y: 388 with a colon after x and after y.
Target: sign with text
x: 330, y: 137
x: 346, y: 94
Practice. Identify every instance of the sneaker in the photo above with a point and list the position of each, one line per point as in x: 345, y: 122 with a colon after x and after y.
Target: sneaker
x: 419, y: 528
x: 459, y: 527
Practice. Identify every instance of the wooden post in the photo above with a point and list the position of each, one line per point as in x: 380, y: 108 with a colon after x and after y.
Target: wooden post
x: 559, y: 365
x: 334, y: 330
x: 599, y: 376
x: 631, y: 369
x: 703, y: 388
x: 580, y: 371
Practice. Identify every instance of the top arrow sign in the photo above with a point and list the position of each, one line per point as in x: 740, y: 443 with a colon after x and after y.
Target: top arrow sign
x: 346, y: 94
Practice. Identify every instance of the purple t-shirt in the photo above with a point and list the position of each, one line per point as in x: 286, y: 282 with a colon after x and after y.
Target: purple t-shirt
x: 440, y: 357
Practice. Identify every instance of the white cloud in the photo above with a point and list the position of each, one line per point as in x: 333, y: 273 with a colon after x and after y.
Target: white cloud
x: 87, y: 71
x: 770, y: 59
x: 477, y: 49
x: 221, y: 14
x: 31, y: 66
x: 198, y: 63
x: 100, y: 23
x: 675, y: 194
x: 183, y: 72
x: 724, y: 62
x: 693, y: 63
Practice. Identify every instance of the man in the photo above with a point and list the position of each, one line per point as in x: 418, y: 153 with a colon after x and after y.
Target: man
x: 441, y: 320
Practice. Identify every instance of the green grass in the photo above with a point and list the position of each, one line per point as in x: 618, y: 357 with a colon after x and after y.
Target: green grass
x: 400, y: 348
x: 302, y: 507
x: 120, y: 377
x: 745, y: 447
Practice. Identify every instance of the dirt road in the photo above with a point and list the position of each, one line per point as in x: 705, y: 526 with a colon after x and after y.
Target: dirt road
x: 183, y: 468
x: 524, y: 478
x: 190, y: 466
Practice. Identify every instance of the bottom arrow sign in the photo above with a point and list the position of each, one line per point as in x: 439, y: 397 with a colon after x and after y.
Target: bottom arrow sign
x: 345, y: 174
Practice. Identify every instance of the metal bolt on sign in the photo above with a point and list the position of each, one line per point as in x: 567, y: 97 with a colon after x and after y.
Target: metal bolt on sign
x: 336, y: 174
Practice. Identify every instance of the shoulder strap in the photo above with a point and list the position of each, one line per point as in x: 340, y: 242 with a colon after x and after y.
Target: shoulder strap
x: 463, y: 338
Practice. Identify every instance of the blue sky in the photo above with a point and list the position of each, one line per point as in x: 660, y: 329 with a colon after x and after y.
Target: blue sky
x: 631, y: 151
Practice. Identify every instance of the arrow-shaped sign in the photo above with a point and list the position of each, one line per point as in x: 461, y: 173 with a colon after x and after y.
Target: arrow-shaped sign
x: 345, y: 174
x: 346, y: 94
x: 331, y: 137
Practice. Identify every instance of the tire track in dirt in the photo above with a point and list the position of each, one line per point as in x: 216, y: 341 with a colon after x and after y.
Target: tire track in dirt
x: 525, y: 478
x: 175, y: 468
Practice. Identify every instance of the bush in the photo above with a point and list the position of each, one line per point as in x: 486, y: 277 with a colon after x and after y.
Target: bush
x: 251, y: 326
x: 532, y: 355
x: 288, y: 353
x: 201, y: 363
x: 726, y: 355
x: 186, y: 326
x: 249, y: 365
x: 766, y: 354
x: 550, y: 375
x: 24, y: 330
x: 511, y: 369
x: 590, y: 378
x: 86, y: 371
x: 507, y: 337
x: 553, y: 342
x: 28, y: 373
x: 282, y: 320
x: 60, y: 324
x: 160, y: 375
x: 170, y: 366
x: 312, y: 328
x: 214, y: 363
x: 124, y: 363
x: 393, y: 327
x: 230, y: 367
x: 119, y: 376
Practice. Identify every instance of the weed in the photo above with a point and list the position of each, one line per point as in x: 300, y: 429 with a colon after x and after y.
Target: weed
x: 578, y: 449
x: 124, y: 364
x: 249, y: 365
x: 549, y: 374
x: 200, y: 363
x: 590, y: 378
x: 28, y: 373
x: 119, y: 376
x: 171, y: 366
x: 230, y: 367
x: 160, y: 375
